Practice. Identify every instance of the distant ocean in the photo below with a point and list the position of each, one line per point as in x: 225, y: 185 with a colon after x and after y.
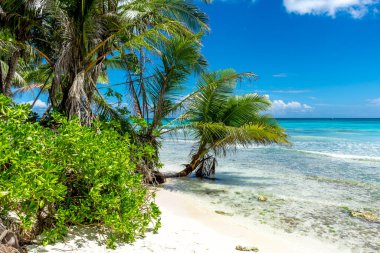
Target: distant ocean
x: 333, y: 167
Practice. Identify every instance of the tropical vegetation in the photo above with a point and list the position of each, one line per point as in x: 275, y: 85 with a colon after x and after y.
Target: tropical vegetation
x: 88, y: 160
x: 68, y: 174
x: 220, y: 121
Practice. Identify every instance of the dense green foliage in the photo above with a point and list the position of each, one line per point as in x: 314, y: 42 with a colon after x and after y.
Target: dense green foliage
x: 87, y: 164
x: 70, y: 174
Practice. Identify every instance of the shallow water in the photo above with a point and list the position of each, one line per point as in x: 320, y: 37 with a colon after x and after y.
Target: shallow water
x: 332, y: 168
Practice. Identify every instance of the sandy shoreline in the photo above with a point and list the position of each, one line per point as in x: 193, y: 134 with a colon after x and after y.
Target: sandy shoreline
x: 189, y: 227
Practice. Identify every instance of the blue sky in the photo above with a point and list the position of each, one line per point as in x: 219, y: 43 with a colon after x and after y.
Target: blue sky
x: 315, y: 58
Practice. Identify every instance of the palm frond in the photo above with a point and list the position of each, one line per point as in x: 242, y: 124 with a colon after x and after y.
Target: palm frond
x: 104, y: 109
x: 180, y: 57
x: 221, y: 121
x: 215, y: 89
x: 240, y: 110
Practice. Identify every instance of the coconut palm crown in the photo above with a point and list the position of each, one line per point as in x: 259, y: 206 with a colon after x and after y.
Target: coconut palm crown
x: 221, y: 121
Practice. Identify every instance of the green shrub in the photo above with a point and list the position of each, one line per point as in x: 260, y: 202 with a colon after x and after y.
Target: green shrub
x: 71, y: 175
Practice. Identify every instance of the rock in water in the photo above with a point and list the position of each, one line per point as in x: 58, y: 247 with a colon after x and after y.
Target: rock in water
x: 262, y: 198
x: 242, y: 248
x: 368, y: 216
x: 223, y: 213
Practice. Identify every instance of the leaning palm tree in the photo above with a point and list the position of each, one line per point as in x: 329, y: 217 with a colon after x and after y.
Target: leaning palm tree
x: 179, y: 58
x: 180, y: 19
x: 221, y: 121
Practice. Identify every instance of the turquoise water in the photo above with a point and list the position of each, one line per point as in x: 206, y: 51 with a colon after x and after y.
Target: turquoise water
x: 332, y: 168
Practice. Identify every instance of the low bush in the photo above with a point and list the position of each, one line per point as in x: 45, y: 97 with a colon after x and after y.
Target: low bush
x: 54, y: 177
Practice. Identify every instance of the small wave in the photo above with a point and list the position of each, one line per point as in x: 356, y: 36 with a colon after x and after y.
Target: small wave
x: 316, y: 138
x: 343, y: 156
x: 179, y: 140
x: 341, y: 181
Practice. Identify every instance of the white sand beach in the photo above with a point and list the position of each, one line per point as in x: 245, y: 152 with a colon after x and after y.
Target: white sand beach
x: 187, y: 226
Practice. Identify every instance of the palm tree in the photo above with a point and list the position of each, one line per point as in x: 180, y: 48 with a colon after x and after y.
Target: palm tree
x: 18, y: 18
x: 98, y: 34
x: 7, y: 48
x: 78, y: 38
x: 220, y: 121
x: 86, y: 35
x: 179, y: 58
x: 182, y: 19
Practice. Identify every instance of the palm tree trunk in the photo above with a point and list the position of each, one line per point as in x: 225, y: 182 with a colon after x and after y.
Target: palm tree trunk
x: 56, y: 82
x: 143, y: 92
x: 90, y: 89
x: 136, y: 102
x: 189, y: 168
x: 1, y: 80
x: 12, y: 64
x: 76, y: 95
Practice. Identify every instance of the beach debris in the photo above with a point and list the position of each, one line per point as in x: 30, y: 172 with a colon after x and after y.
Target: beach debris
x: 215, y: 192
x: 262, y: 198
x: 8, y: 241
x: 8, y: 249
x: 243, y: 248
x: 368, y: 216
x: 223, y: 213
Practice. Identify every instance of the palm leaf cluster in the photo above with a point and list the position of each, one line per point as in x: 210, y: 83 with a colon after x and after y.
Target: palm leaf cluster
x: 65, y: 48
x: 74, y: 42
x: 222, y: 121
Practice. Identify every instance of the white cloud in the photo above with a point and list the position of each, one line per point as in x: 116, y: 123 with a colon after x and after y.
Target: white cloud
x: 38, y: 104
x: 285, y: 91
x: 280, y: 75
x: 375, y: 101
x: 280, y: 107
x: 356, y: 8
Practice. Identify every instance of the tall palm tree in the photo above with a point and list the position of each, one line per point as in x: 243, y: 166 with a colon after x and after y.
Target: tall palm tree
x: 18, y: 18
x: 179, y: 58
x: 184, y: 20
x: 77, y: 38
x: 7, y: 48
x: 220, y: 121
x: 90, y: 32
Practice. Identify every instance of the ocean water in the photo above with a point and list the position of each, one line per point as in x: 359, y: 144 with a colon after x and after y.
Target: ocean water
x: 331, y: 168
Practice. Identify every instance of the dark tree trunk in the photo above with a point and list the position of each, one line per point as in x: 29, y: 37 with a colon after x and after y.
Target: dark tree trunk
x: 54, y: 90
x: 189, y: 168
x: 65, y: 96
x: 183, y: 173
x: 136, y: 102
x: 1, y: 80
x: 74, y: 98
x: 90, y: 90
x: 12, y: 64
x: 145, y: 111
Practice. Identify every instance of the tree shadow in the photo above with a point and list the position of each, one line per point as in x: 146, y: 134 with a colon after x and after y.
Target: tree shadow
x: 207, y: 185
x: 76, y: 239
